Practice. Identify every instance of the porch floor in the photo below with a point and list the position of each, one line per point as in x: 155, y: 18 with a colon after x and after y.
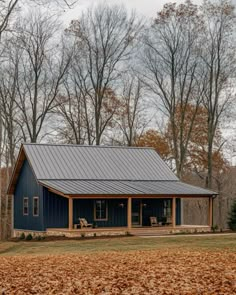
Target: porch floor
x: 119, y: 231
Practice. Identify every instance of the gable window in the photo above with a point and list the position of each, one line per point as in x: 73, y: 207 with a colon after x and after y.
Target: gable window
x: 36, y: 206
x: 25, y: 206
x: 100, y: 210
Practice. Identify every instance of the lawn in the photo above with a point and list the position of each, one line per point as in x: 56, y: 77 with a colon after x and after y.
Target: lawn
x: 129, y: 265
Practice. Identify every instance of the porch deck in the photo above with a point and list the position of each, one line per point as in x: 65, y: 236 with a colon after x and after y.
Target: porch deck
x: 120, y: 231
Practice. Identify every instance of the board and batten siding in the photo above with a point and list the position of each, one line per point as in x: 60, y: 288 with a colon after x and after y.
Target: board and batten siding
x: 27, y: 187
x: 117, y: 215
x: 55, y: 210
x: 155, y: 207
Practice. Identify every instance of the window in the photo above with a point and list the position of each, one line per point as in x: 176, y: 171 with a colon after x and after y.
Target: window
x: 25, y: 206
x: 100, y: 210
x: 35, y: 206
x: 167, y: 208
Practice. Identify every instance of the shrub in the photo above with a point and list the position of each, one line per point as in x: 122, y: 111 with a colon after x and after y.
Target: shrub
x: 29, y: 237
x: 232, y: 217
x: 38, y: 238
x: 214, y: 228
x: 22, y: 236
x: 82, y: 235
x: 94, y: 234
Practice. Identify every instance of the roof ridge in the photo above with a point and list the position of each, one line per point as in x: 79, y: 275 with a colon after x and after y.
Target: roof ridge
x: 88, y: 146
x: 123, y: 180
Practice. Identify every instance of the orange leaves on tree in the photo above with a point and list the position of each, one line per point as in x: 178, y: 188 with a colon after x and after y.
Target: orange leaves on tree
x: 153, y: 138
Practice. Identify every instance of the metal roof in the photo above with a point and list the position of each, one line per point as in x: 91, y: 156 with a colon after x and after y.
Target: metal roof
x: 101, y: 170
x: 106, y: 187
x: 77, y: 162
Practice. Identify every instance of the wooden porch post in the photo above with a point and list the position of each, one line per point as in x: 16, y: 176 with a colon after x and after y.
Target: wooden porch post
x: 173, y: 211
x: 129, y: 213
x: 210, y: 211
x: 70, y: 213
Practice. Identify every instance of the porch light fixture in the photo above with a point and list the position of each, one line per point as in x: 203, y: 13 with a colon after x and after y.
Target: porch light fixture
x: 144, y: 205
x: 121, y: 205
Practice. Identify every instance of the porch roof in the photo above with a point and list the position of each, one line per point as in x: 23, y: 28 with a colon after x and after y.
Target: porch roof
x: 129, y: 187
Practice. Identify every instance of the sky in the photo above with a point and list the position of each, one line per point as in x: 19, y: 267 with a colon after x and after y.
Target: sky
x: 146, y: 8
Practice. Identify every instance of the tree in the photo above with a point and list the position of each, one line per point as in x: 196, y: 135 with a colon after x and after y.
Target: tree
x: 8, y: 94
x: 218, y: 67
x: 105, y: 37
x: 72, y: 108
x: 41, y: 71
x: 9, y: 7
x: 131, y: 114
x: 196, y: 159
x: 169, y: 67
x: 232, y: 218
x: 153, y: 138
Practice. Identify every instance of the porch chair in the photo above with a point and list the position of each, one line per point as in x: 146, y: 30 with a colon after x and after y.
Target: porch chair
x: 153, y: 221
x: 169, y: 220
x: 84, y: 223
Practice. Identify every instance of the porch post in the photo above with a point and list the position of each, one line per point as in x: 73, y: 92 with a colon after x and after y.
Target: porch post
x: 210, y: 211
x: 70, y: 213
x: 129, y: 212
x: 173, y: 211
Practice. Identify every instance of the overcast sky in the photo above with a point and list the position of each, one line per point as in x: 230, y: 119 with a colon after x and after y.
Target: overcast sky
x: 143, y: 7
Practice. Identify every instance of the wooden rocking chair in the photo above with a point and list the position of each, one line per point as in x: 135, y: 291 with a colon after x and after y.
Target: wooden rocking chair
x: 153, y: 221
x: 84, y: 223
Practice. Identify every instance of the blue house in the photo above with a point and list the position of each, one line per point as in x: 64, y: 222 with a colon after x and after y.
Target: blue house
x: 57, y: 186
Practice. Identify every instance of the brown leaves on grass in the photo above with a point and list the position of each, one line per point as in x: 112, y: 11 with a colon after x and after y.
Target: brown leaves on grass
x: 134, y: 272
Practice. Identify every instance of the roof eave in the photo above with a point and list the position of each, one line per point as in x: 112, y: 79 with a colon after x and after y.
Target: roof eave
x: 22, y: 156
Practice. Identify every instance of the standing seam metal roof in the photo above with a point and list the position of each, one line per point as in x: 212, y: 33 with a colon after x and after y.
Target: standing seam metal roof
x: 100, y: 170
x: 93, y: 163
x: 103, y: 187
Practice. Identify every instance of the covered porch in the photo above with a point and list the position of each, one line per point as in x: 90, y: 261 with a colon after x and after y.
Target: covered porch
x: 121, y: 206
x: 127, y: 214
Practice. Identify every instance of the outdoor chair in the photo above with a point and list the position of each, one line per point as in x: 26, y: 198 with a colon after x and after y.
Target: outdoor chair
x: 153, y: 221
x: 84, y: 223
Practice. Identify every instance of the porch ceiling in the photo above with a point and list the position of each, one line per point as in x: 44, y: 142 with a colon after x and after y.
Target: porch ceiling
x: 109, y: 187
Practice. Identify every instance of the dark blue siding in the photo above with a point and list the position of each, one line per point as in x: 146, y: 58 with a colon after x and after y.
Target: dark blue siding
x: 56, y: 210
x: 155, y: 207
x: 27, y: 186
x: 117, y: 216
x: 178, y: 211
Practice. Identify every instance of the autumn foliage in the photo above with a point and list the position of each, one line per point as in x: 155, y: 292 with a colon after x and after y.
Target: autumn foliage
x: 196, y: 157
x: 153, y: 272
x: 159, y: 142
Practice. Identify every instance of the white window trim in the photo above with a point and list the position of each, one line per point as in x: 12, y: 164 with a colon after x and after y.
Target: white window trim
x: 102, y: 219
x: 25, y: 214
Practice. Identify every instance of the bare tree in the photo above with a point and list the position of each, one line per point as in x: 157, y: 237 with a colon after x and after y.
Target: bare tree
x: 8, y: 8
x: 169, y: 67
x: 41, y: 71
x: 131, y: 115
x: 8, y: 96
x: 76, y: 127
x: 218, y: 66
x: 105, y: 37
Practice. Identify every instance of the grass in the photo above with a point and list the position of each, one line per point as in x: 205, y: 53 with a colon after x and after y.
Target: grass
x: 218, y: 242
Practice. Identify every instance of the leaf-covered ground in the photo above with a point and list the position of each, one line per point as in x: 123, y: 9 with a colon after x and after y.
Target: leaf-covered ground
x: 173, y: 271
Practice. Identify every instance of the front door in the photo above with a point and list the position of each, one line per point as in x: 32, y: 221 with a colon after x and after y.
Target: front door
x: 136, y: 212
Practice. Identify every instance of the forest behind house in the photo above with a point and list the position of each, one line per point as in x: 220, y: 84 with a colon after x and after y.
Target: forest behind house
x: 112, y: 77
